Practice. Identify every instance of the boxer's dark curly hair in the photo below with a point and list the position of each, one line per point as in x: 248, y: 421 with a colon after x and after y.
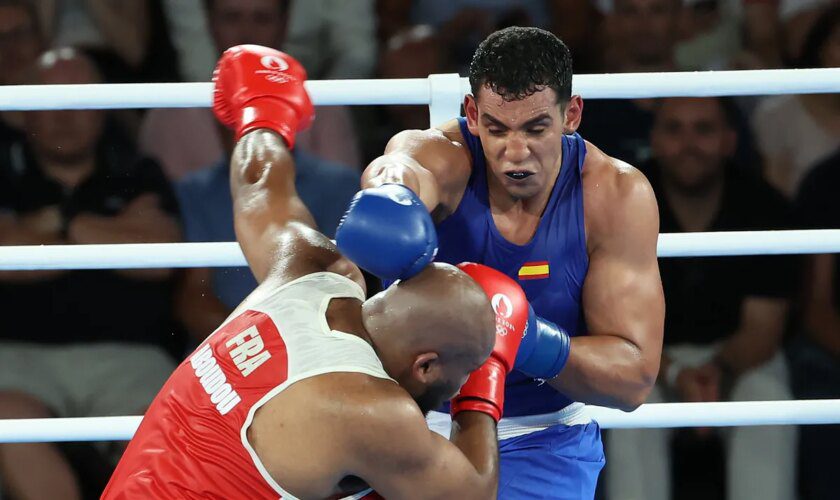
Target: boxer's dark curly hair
x: 516, y: 62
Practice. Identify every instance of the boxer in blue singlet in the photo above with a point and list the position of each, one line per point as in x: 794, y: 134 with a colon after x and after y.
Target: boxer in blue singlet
x: 512, y: 186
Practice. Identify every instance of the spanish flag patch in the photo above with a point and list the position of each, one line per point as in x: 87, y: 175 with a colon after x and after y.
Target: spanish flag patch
x: 534, y: 270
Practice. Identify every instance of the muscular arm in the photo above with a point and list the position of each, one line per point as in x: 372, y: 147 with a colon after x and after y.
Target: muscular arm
x: 616, y: 364
x: 422, y: 464
x: 273, y: 226
x: 427, y: 162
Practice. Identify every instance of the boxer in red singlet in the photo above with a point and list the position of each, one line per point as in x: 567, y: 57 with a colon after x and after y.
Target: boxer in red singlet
x: 308, y: 390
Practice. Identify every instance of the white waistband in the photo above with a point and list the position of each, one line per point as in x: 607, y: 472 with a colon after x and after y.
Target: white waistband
x: 509, y: 427
x: 574, y: 414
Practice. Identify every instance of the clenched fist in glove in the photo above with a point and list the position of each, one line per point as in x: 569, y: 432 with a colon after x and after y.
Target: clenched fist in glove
x: 258, y: 87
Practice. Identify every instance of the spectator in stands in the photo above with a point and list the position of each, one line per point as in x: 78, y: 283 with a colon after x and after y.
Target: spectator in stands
x: 21, y: 39
x: 461, y: 25
x: 796, y: 18
x: 726, y: 316
x: 644, y: 32
x: 78, y: 343
x: 333, y: 39
x: 21, y: 42
x: 185, y: 140
x: 117, y: 34
x: 415, y: 52
x: 794, y: 132
x: 187, y: 24
x: 207, y: 296
x: 642, y: 35
x: 710, y: 34
x: 392, y: 17
x: 762, y: 36
x: 815, y: 354
x: 579, y: 23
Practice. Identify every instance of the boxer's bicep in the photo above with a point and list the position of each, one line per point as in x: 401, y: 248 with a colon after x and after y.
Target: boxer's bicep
x: 616, y: 364
x: 622, y: 293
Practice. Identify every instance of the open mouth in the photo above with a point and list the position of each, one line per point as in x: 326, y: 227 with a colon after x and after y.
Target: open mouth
x: 519, y: 175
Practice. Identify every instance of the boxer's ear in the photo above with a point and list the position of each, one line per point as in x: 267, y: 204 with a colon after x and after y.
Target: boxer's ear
x: 471, y: 111
x: 572, y: 113
x: 426, y: 367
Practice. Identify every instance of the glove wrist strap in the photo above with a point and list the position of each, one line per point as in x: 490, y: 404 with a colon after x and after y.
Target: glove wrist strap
x: 484, y: 391
x: 270, y: 113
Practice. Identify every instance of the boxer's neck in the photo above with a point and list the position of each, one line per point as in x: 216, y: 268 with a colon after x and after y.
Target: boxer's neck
x: 345, y: 315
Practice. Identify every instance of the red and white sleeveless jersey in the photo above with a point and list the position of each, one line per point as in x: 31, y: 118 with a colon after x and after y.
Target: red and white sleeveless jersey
x: 192, y: 442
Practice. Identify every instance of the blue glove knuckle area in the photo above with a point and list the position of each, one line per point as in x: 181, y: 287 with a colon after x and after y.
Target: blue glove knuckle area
x: 388, y: 232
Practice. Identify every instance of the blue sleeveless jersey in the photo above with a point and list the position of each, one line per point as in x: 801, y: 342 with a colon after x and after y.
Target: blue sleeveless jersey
x: 550, y: 268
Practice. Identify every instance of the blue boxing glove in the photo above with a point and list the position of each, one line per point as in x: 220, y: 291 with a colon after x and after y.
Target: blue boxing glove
x: 544, y: 348
x: 388, y: 232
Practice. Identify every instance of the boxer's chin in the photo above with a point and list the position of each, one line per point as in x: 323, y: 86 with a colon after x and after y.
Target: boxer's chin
x: 433, y: 397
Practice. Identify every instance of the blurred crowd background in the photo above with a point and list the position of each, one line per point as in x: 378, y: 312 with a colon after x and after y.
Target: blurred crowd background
x: 84, y: 343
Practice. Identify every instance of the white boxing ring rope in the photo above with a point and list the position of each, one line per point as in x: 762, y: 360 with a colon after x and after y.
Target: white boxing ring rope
x: 420, y: 90
x: 443, y: 94
x: 228, y: 254
x: 658, y: 415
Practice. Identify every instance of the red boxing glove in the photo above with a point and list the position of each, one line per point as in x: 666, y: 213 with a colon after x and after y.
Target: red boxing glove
x: 484, y: 391
x: 257, y: 87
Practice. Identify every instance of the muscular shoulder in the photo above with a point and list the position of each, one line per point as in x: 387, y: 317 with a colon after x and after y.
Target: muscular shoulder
x: 615, y: 192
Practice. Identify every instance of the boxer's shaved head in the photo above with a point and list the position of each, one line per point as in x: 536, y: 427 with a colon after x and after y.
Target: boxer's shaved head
x: 431, y: 331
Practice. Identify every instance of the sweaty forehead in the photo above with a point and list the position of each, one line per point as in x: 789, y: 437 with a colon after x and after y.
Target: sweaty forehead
x: 520, y: 110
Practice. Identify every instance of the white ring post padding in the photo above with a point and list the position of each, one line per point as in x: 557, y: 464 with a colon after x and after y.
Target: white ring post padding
x: 417, y: 90
x: 660, y: 415
x: 228, y: 254
x: 445, y: 98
